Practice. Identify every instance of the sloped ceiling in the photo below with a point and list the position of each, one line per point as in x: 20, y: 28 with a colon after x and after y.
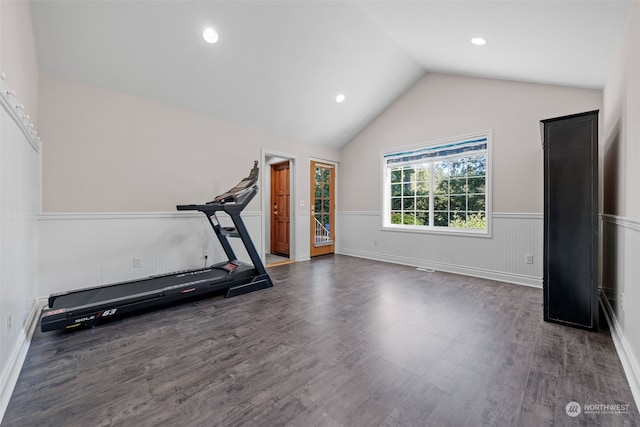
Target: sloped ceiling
x: 280, y: 64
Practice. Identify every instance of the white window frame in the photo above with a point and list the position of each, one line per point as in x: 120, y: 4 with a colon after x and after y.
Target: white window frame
x: 386, y: 188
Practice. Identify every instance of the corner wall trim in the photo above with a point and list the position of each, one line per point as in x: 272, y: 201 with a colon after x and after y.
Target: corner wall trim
x: 9, y: 377
x: 626, y: 222
x: 628, y: 360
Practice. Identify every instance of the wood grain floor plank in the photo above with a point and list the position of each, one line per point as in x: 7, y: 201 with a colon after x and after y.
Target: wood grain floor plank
x: 338, y: 341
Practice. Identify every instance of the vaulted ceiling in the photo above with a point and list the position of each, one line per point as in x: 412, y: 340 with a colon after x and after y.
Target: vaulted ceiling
x: 279, y: 65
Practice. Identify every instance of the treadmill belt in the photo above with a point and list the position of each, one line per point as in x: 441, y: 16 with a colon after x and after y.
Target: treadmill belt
x: 131, y: 289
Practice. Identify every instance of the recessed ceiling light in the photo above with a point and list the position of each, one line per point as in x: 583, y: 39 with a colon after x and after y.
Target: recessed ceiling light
x: 340, y: 97
x: 210, y: 35
x: 478, y: 41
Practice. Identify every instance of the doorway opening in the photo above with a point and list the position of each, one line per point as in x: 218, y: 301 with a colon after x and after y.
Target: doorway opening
x: 323, y: 207
x: 279, y: 222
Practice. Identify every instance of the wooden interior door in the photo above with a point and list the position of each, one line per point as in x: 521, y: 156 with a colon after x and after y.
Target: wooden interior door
x: 323, y: 204
x: 280, y: 208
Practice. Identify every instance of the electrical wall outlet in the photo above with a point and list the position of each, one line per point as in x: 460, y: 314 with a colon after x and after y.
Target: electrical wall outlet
x: 137, y: 262
x: 529, y: 259
x: 9, y: 322
x: 375, y: 242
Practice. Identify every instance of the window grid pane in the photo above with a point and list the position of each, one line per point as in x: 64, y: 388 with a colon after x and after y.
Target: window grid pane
x: 459, y: 189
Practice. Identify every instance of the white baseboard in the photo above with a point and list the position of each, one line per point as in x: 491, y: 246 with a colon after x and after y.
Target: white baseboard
x: 628, y: 359
x: 535, y: 282
x: 11, y: 373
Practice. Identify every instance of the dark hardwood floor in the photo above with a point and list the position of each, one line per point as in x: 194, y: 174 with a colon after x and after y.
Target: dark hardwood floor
x: 339, y: 341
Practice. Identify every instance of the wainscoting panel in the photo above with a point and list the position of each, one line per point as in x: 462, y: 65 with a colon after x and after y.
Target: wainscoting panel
x: 19, y: 207
x: 621, y: 291
x: 82, y: 250
x: 302, y: 237
x: 501, y: 257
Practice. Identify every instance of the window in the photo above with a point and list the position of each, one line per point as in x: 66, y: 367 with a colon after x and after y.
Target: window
x: 441, y: 186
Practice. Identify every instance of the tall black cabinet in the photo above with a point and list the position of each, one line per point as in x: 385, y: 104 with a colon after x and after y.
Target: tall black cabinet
x: 571, y: 220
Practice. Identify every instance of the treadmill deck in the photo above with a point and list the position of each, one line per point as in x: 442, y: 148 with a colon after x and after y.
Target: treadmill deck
x: 87, y: 306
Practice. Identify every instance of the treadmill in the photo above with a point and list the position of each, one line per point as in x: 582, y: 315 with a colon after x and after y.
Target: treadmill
x: 87, y: 307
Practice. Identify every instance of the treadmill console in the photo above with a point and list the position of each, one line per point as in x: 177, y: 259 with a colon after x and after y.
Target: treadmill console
x: 241, y: 188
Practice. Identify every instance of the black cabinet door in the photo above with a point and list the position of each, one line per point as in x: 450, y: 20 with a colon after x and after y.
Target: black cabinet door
x: 571, y: 220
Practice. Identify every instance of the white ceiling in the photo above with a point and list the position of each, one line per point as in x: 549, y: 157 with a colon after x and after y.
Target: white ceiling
x: 280, y: 64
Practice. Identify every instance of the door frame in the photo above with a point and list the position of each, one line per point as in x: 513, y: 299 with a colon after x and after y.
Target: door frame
x: 265, y: 192
x: 335, y: 197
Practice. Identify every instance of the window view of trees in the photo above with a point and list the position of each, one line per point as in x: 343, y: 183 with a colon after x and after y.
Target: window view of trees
x: 322, y: 196
x: 410, y: 188
x: 459, y: 193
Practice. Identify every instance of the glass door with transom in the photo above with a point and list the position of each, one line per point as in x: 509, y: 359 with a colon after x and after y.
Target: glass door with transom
x: 322, y: 208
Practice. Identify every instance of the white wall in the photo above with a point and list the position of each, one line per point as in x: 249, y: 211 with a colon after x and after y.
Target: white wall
x: 620, y: 157
x: 19, y: 192
x: 442, y: 106
x: 18, y: 52
x: 110, y: 152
